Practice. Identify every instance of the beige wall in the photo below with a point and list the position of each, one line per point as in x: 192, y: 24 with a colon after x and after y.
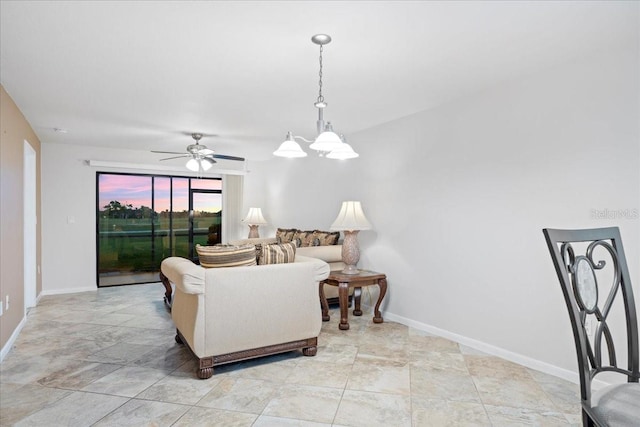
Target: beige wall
x: 14, y: 130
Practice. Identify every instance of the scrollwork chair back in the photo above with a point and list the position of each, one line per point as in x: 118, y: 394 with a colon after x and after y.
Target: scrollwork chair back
x: 583, y: 259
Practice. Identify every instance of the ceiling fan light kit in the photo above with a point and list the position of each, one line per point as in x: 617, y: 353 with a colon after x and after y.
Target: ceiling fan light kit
x: 201, y: 157
x: 327, y: 143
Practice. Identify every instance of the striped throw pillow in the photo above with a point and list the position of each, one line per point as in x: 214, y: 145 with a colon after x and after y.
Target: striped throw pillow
x: 226, y: 255
x: 277, y: 253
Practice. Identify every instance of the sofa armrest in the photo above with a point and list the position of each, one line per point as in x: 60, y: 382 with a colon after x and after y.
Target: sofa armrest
x: 321, y: 268
x: 187, y: 276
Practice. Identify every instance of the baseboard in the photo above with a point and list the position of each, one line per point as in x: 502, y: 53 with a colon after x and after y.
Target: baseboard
x: 67, y: 291
x: 12, y: 339
x: 494, y: 351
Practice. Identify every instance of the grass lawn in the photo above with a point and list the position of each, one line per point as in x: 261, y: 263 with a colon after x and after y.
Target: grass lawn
x: 128, y: 245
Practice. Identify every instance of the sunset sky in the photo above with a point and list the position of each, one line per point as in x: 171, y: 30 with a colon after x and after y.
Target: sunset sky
x: 136, y: 190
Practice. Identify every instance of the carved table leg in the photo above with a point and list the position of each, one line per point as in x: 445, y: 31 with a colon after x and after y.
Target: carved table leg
x: 324, y: 304
x: 343, y: 297
x: 377, y: 318
x: 357, y: 292
x: 167, y: 287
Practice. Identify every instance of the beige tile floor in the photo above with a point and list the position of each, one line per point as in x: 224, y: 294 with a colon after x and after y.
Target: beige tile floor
x: 108, y: 358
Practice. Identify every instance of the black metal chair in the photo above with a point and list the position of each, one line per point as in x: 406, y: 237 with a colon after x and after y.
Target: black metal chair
x: 578, y: 259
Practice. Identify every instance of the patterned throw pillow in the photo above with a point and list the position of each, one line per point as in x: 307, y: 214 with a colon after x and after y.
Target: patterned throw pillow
x: 258, y: 251
x: 277, y: 253
x: 285, y: 235
x: 226, y: 255
x: 324, y: 238
x: 303, y: 238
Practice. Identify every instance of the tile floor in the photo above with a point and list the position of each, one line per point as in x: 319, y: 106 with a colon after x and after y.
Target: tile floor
x: 108, y: 358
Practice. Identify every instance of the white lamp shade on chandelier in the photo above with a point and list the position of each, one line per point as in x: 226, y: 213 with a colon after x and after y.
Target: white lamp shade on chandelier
x: 327, y: 141
x: 254, y: 219
x: 290, y: 148
x: 343, y: 151
x: 350, y: 221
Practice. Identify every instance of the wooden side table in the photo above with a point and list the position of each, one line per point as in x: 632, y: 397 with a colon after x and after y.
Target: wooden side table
x: 356, y: 281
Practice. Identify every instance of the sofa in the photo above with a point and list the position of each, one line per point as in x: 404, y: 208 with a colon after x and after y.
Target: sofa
x: 230, y: 314
x: 331, y: 254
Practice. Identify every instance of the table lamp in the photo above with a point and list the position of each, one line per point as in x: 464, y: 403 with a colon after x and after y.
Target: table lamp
x: 350, y: 220
x: 254, y: 219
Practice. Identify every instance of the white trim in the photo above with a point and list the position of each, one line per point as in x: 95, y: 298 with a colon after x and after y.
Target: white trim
x: 30, y: 220
x: 493, y: 350
x: 67, y: 291
x: 12, y: 339
x: 183, y: 171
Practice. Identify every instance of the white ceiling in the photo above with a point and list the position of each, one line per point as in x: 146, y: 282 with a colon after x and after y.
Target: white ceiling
x: 144, y: 74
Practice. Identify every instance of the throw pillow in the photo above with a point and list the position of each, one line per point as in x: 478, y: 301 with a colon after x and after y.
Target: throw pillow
x: 258, y: 251
x: 285, y: 235
x: 226, y: 255
x: 324, y: 238
x: 303, y: 238
x: 277, y: 253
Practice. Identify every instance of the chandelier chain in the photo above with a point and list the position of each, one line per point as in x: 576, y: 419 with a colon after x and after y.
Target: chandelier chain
x: 320, y: 97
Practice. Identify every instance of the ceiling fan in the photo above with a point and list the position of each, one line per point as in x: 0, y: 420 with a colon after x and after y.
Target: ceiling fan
x: 202, y: 158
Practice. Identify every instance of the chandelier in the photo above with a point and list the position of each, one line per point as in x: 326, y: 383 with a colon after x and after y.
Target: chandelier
x: 328, y: 143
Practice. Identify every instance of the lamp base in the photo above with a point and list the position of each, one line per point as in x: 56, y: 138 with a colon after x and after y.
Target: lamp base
x: 350, y: 252
x: 350, y: 269
x: 253, y: 232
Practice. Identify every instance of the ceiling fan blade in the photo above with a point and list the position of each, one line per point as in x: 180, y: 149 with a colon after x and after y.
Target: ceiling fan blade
x: 209, y: 159
x: 176, y: 157
x: 225, y: 157
x: 166, y: 152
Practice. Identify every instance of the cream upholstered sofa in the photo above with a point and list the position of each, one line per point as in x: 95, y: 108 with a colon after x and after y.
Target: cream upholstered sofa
x: 331, y: 254
x: 237, y: 313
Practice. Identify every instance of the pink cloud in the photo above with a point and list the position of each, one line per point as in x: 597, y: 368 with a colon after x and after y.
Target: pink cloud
x: 136, y: 190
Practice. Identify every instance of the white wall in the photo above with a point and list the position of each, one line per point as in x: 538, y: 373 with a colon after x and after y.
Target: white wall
x: 458, y: 196
x: 69, y: 190
x: 302, y: 193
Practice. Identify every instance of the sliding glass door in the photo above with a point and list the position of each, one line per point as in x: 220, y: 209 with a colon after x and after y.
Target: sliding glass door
x: 142, y: 219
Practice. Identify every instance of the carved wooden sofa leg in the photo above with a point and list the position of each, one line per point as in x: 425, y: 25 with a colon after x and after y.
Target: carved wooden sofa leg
x: 167, y: 289
x: 205, y: 364
x: 310, y: 351
x: 205, y: 370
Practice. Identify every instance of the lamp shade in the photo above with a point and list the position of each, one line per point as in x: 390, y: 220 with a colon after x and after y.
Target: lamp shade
x: 193, y: 165
x: 289, y: 148
x: 350, y: 218
x: 254, y: 217
x: 343, y: 152
x: 206, y: 163
x: 327, y: 140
